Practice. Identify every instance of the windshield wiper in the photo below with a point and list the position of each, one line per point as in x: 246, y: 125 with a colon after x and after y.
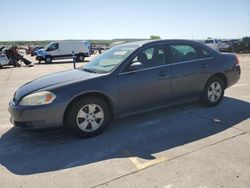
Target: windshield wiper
x: 88, y: 70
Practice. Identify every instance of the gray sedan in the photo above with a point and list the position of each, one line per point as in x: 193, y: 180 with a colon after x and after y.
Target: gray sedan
x: 127, y: 79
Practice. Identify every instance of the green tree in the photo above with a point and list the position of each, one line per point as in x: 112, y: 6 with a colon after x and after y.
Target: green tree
x: 154, y: 37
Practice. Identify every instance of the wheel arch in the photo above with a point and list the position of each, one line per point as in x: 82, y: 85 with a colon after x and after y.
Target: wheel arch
x: 220, y: 75
x: 81, y: 53
x: 89, y: 94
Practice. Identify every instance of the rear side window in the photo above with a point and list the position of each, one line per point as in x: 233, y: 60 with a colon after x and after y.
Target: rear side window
x: 182, y: 52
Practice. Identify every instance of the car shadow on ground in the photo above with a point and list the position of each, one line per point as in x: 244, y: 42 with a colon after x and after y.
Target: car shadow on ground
x: 7, y: 67
x: 30, y: 152
x: 12, y: 67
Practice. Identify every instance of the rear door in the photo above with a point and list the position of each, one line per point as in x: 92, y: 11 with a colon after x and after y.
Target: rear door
x: 150, y: 85
x: 189, y: 68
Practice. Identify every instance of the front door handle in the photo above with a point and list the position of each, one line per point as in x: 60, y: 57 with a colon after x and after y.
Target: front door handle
x: 203, y: 65
x: 163, y: 73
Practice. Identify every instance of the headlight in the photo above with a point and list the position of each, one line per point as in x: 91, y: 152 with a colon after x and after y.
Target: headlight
x: 39, y: 98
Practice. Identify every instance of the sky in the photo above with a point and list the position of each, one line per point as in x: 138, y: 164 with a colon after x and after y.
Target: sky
x: 112, y: 19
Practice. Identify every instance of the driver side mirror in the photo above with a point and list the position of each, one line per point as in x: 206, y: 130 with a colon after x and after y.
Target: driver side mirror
x: 135, y: 66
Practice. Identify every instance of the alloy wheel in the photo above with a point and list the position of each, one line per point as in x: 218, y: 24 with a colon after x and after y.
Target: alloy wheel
x: 214, y: 92
x: 90, y: 117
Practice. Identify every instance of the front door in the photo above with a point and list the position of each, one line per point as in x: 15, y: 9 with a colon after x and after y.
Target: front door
x: 146, y: 82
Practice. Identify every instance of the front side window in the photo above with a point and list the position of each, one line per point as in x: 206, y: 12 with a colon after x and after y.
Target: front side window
x: 150, y: 57
x: 52, y: 47
x: 182, y: 52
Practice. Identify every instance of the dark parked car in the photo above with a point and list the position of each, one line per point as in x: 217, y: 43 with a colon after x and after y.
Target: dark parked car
x: 241, y: 45
x: 126, y: 79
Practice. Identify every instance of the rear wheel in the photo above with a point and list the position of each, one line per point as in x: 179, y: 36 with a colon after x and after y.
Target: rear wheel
x: 213, y: 92
x: 88, y: 117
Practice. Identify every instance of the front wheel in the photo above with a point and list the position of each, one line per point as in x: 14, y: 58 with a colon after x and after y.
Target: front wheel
x: 48, y: 59
x: 88, y: 117
x: 80, y: 58
x: 213, y: 92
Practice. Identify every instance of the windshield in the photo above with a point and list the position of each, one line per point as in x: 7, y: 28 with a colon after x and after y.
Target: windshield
x: 47, y: 46
x: 110, y: 59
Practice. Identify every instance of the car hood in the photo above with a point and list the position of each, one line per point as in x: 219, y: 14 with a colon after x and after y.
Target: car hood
x: 51, y: 80
x: 40, y: 50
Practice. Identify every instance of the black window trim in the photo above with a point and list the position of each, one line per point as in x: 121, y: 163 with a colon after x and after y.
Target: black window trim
x: 166, y: 63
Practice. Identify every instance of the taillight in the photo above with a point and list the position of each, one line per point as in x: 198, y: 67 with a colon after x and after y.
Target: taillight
x: 237, y: 59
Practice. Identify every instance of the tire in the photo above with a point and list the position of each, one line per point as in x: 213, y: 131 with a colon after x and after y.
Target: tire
x: 17, y: 65
x: 82, y: 117
x: 213, y: 92
x: 80, y: 58
x: 1, y: 66
x: 48, y: 59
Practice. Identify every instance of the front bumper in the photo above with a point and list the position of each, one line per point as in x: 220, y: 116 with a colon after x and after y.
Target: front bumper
x: 36, y: 117
x: 4, y: 61
x: 40, y: 58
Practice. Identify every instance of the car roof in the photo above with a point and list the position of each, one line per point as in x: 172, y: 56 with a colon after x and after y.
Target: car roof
x: 144, y: 42
x: 152, y: 42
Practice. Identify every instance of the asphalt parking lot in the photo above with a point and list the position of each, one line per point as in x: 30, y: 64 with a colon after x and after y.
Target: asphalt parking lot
x: 182, y: 146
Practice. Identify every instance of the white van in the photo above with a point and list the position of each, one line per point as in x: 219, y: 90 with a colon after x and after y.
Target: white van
x: 213, y: 43
x: 63, y: 50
